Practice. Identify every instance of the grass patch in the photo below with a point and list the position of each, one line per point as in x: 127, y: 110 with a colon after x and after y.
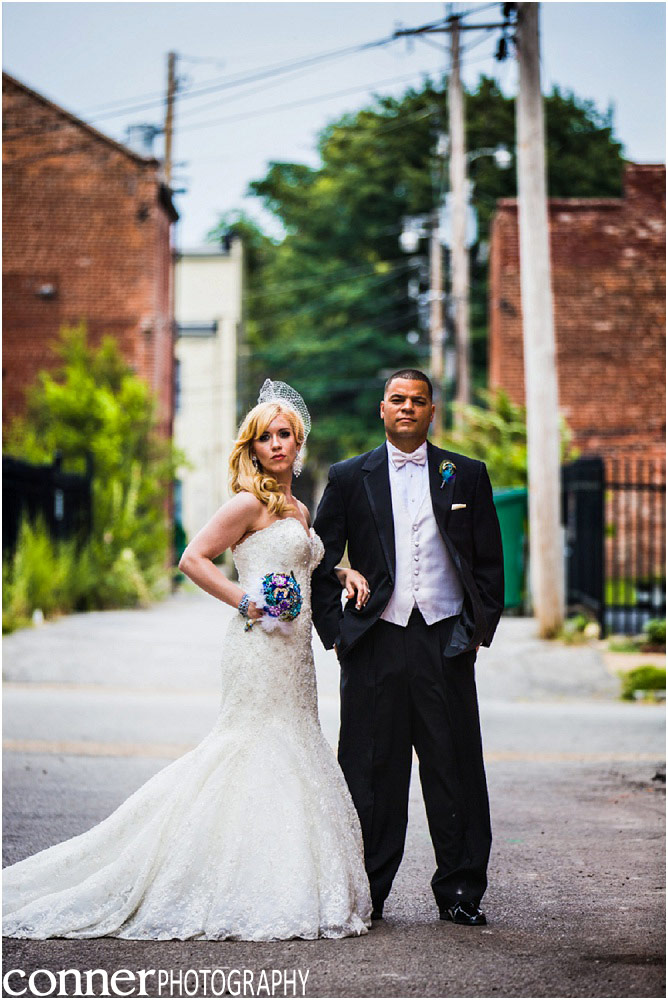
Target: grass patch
x: 578, y: 629
x: 652, y: 640
x: 642, y: 679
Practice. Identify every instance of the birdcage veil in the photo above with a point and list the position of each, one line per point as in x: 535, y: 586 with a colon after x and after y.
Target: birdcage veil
x: 281, y: 392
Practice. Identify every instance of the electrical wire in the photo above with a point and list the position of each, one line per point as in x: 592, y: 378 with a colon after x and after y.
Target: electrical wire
x: 478, y: 10
x: 309, y: 308
x: 333, y: 276
x: 226, y: 83
x: 196, y: 390
x: 434, y: 45
x: 185, y: 113
x: 275, y: 70
x: 244, y: 115
x: 478, y: 41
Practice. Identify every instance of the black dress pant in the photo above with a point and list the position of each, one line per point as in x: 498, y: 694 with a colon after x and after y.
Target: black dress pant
x: 398, y: 691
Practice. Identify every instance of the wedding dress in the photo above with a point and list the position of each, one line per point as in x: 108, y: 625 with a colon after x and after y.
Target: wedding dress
x: 251, y: 836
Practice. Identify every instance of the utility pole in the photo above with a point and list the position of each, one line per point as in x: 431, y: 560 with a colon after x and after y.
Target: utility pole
x: 453, y: 24
x: 436, y: 319
x: 169, y: 115
x: 459, y: 196
x: 540, y: 371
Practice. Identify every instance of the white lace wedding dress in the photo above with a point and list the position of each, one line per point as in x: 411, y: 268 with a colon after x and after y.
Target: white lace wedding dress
x: 252, y: 835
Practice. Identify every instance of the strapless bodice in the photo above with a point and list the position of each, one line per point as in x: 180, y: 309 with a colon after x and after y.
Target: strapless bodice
x: 281, y: 547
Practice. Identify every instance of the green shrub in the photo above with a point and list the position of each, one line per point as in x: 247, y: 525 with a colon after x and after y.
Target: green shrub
x: 573, y: 629
x: 646, y: 678
x: 495, y: 432
x: 58, y: 577
x: 624, y: 644
x: 94, y: 404
x: 655, y: 632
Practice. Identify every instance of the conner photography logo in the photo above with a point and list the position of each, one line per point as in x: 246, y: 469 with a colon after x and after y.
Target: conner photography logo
x: 156, y: 982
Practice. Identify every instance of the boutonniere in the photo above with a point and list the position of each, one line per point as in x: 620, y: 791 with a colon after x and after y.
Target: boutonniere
x: 447, y: 471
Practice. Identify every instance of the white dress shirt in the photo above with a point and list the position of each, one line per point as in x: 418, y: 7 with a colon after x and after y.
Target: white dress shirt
x: 424, y: 572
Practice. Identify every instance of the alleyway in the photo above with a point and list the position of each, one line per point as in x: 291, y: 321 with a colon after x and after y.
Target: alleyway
x: 96, y: 703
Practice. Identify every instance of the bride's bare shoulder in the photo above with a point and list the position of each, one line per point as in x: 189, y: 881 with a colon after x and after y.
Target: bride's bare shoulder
x: 244, y: 503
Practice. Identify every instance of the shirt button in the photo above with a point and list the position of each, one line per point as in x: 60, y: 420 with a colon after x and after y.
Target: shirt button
x: 416, y: 587
x: 416, y: 558
x: 416, y: 571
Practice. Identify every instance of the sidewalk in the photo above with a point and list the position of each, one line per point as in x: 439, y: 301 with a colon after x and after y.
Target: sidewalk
x: 96, y: 703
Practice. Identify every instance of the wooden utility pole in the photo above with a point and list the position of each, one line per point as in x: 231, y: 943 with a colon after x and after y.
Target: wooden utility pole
x: 169, y: 114
x: 453, y: 25
x: 459, y: 201
x: 436, y: 320
x: 540, y: 371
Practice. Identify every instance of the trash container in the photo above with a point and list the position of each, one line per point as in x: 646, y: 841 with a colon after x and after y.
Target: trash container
x: 511, y: 507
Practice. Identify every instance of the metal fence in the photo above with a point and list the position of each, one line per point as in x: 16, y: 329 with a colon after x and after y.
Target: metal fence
x: 64, y: 499
x: 614, y: 514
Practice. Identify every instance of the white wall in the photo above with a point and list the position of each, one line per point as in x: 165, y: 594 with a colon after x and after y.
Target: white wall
x: 208, y: 288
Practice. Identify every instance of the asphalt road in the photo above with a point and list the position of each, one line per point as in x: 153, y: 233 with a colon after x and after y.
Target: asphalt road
x: 95, y: 704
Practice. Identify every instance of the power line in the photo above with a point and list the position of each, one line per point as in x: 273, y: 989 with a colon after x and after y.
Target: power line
x: 224, y: 84
x: 479, y: 9
x: 314, y: 306
x: 363, y: 271
x: 270, y: 71
x: 244, y: 115
x: 249, y: 92
x: 196, y: 390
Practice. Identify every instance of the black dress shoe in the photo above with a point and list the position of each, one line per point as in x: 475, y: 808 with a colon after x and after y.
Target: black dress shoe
x: 377, y: 913
x: 464, y: 913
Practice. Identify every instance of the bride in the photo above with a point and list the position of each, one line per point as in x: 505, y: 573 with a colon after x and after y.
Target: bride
x: 252, y: 835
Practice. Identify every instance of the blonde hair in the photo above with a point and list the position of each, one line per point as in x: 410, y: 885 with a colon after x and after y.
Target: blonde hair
x: 243, y: 475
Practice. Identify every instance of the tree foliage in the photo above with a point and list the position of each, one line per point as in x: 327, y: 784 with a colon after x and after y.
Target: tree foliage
x: 333, y: 306
x: 94, y: 403
x: 496, y: 433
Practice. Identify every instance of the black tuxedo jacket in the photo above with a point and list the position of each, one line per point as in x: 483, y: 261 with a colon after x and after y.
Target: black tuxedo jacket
x: 356, y: 509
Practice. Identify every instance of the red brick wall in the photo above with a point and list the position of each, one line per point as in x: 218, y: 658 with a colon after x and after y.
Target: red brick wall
x: 84, y: 215
x: 608, y: 280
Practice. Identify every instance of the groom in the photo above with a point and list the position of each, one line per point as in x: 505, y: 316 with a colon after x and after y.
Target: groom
x: 420, y: 524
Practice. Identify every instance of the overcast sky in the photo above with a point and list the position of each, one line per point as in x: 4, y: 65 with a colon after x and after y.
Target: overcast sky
x: 87, y: 55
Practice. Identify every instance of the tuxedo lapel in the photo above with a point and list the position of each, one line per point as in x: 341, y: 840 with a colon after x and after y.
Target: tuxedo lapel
x: 377, y: 485
x: 441, y: 498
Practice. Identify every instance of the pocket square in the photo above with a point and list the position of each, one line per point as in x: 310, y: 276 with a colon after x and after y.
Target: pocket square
x: 458, y: 506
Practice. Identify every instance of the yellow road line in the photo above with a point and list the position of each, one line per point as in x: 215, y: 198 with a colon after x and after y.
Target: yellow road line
x: 565, y: 755
x: 67, y: 686
x: 88, y: 748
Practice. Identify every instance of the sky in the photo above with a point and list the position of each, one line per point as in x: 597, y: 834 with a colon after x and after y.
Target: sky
x: 96, y: 59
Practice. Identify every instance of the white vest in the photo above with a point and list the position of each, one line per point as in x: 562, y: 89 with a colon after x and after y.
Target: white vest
x: 424, y: 572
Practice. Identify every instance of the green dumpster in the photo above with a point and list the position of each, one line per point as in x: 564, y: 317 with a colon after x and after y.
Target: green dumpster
x: 511, y: 507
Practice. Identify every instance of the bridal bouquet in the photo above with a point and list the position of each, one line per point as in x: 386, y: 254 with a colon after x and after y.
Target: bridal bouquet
x: 280, y: 598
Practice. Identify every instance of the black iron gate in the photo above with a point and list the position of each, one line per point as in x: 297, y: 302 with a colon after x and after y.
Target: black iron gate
x: 64, y: 499
x: 583, y: 515
x: 614, y: 516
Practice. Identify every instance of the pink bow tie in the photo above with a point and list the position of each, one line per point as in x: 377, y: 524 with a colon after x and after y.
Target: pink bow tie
x: 400, y: 458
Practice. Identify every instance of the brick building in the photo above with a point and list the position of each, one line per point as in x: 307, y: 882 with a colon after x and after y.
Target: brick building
x: 608, y: 282
x: 86, y: 225
x: 609, y: 288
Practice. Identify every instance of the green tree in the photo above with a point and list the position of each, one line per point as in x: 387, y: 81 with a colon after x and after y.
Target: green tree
x: 95, y: 403
x: 331, y: 307
x: 496, y: 433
